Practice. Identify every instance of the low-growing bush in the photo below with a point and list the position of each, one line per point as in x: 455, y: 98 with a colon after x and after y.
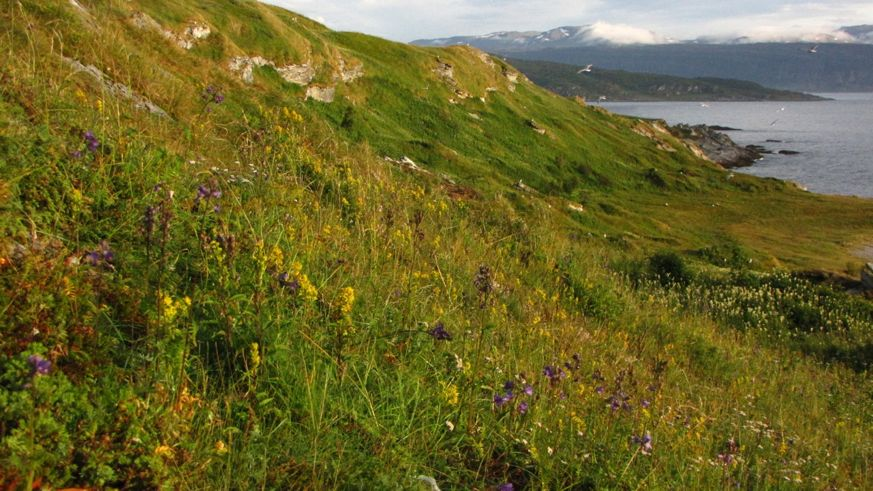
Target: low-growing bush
x: 725, y: 255
x: 669, y: 268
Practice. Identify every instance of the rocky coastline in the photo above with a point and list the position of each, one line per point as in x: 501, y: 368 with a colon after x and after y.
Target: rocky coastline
x: 718, y: 146
x: 721, y: 148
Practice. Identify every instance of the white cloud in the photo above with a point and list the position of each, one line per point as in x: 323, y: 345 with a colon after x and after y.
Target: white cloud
x: 623, y: 34
x: 794, y: 21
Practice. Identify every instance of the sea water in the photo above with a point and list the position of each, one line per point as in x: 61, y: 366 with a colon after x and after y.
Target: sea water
x: 834, y: 138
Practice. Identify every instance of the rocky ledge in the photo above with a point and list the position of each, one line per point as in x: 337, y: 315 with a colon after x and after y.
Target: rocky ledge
x: 719, y: 147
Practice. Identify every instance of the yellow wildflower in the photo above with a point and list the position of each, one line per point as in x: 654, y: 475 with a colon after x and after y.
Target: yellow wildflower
x: 255, y: 354
x: 277, y: 258
x: 346, y: 301
x: 220, y: 447
x: 186, y: 400
x: 450, y: 393
x: 77, y: 196
x: 165, y: 452
x: 307, y: 290
x: 169, y: 308
x: 292, y: 115
x: 174, y: 308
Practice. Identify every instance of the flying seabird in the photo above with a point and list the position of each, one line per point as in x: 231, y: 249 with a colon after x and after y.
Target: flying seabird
x: 587, y: 69
x: 813, y: 50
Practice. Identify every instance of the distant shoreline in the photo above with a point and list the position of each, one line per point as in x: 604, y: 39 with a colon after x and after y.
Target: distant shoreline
x: 595, y: 84
x: 824, y: 147
x: 720, y: 101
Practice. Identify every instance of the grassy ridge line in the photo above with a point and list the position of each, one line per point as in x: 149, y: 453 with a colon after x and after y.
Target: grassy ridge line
x: 262, y: 381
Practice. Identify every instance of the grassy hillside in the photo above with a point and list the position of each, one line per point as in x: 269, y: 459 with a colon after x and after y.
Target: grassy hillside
x: 620, y: 85
x: 212, y: 278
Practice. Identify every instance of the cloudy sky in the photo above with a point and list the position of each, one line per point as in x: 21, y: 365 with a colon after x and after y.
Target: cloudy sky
x: 405, y: 20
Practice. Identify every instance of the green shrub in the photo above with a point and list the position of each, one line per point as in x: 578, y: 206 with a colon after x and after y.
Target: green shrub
x: 668, y: 268
x: 725, y: 255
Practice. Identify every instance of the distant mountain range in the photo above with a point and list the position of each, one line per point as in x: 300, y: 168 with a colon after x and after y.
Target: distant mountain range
x: 863, y: 34
x: 603, y: 33
x: 571, y: 81
x: 841, y: 62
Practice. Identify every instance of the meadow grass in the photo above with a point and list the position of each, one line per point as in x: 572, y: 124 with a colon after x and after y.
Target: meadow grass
x: 247, y: 295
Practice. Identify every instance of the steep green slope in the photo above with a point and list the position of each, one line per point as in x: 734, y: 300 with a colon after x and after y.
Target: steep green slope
x: 568, y: 81
x: 212, y: 278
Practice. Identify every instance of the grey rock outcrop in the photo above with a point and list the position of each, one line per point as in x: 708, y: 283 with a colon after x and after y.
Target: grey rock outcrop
x: 115, y: 88
x: 718, y: 147
x: 78, y: 5
x: 521, y: 186
x: 486, y: 58
x: 187, y: 39
x: 656, y: 133
x: 297, y: 74
x: 445, y: 71
x: 350, y: 73
x: 408, y: 164
x: 512, y: 77
x: 244, y: 66
x: 536, y: 127
x: 321, y: 94
x: 145, y: 21
x: 867, y: 276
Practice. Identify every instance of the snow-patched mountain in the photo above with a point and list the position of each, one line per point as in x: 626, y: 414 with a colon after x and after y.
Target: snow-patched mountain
x: 604, y: 33
x: 560, y: 37
x: 862, y: 33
